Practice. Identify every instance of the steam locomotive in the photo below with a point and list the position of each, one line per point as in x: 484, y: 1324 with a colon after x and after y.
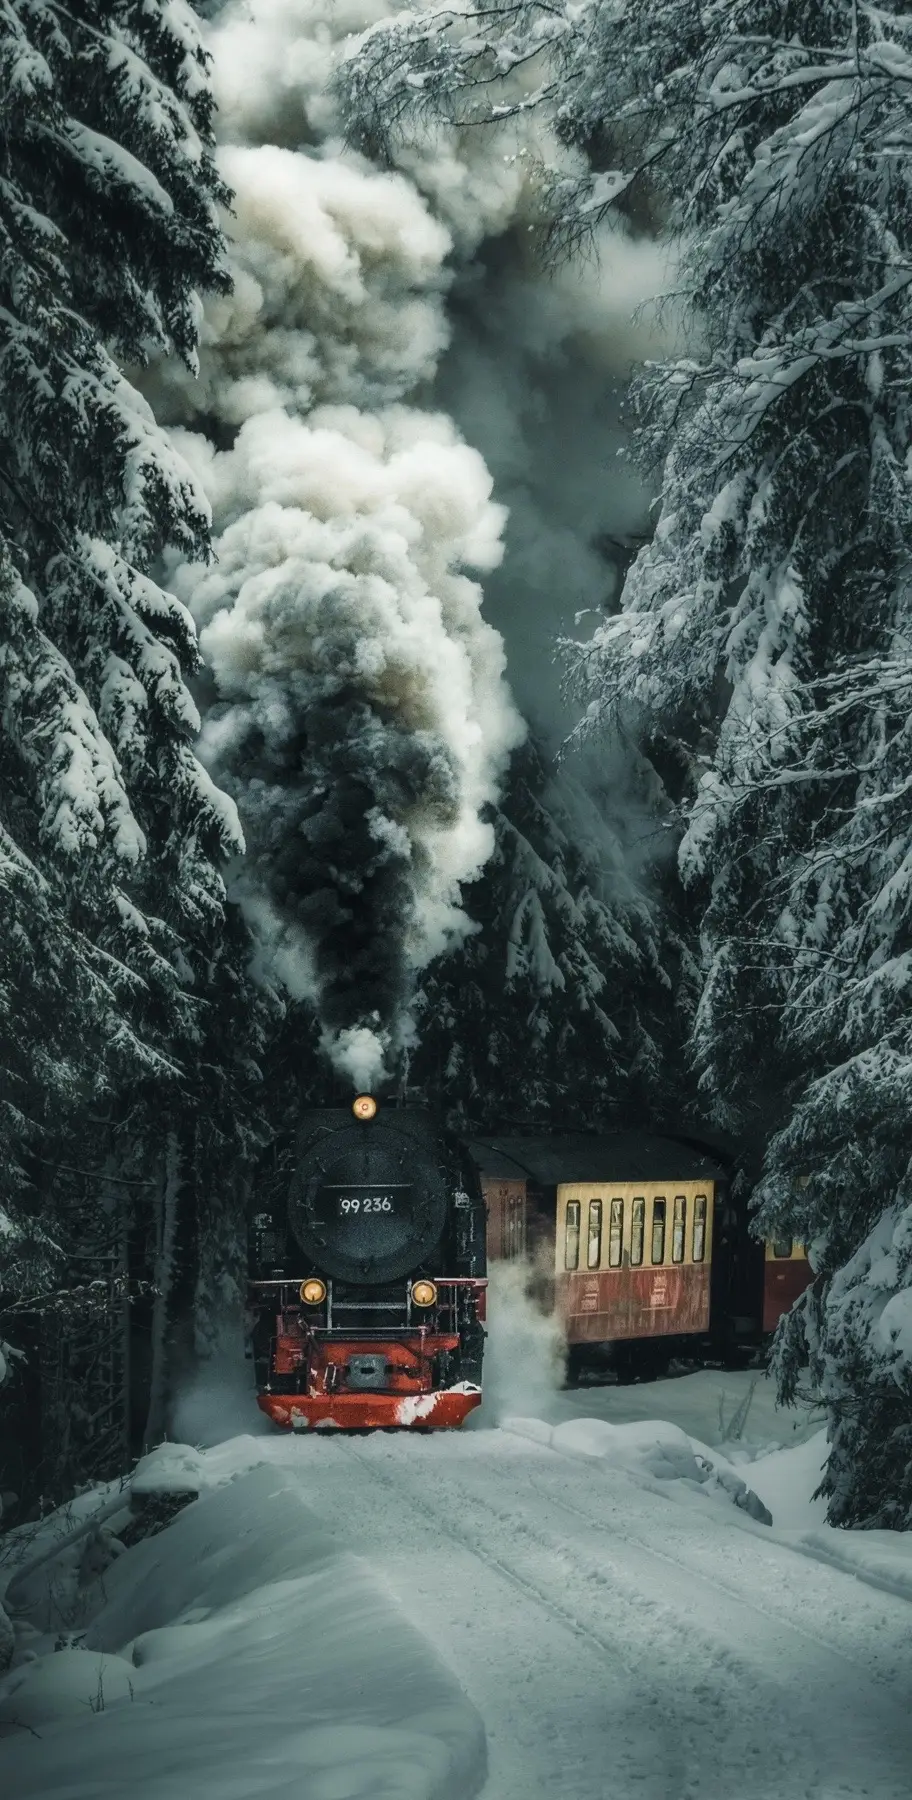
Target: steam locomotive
x: 368, y: 1285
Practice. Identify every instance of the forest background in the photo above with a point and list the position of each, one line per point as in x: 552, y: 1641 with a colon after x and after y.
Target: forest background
x: 362, y: 718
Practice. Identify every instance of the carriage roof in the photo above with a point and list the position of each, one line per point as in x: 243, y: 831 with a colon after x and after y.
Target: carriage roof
x: 586, y: 1156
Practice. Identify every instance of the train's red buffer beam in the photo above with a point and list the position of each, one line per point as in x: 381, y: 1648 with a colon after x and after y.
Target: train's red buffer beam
x: 441, y: 1409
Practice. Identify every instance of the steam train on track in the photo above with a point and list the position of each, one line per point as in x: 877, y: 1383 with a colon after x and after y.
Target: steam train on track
x: 368, y: 1285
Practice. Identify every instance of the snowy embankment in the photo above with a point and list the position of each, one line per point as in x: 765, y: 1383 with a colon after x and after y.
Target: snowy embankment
x: 238, y: 1653
x: 774, y: 1487
x: 785, y: 1481
x: 731, y: 1421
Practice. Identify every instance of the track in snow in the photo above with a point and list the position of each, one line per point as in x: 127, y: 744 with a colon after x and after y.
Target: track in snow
x: 618, y: 1644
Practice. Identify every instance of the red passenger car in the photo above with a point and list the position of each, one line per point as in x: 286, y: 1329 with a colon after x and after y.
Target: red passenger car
x: 637, y: 1244
x: 786, y: 1274
x: 621, y: 1225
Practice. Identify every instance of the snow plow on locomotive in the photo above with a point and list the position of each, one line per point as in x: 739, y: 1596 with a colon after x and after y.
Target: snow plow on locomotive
x: 368, y: 1285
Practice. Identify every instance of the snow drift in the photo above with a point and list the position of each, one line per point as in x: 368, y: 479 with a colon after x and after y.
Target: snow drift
x: 239, y: 1653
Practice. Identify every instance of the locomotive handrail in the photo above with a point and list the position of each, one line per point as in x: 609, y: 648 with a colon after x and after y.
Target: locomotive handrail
x: 459, y: 1280
x: 370, y: 1305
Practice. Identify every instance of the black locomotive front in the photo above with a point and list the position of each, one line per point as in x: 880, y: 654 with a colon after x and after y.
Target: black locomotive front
x: 368, y: 1288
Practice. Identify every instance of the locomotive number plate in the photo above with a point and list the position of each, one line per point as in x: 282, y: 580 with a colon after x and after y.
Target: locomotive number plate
x: 365, y: 1203
x: 354, y: 1199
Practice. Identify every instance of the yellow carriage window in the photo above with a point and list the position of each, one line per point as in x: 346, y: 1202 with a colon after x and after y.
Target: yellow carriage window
x: 616, y: 1234
x: 782, y: 1246
x: 698, y: 1247
x: 637, y: 1230
x: 594, y: 1245
x: 678, y: 1228
x: 572, y: 1235
x: 658, y: 1228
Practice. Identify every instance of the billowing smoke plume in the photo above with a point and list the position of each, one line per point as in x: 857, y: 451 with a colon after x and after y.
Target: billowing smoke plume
x: 360, y: 713
x: 364, y: 721
x: 361, y: 716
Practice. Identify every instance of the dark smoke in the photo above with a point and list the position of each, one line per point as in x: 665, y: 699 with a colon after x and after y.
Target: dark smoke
x: 331, y: 809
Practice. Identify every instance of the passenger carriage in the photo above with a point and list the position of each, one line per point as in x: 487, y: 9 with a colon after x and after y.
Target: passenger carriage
x: 637, y: 1244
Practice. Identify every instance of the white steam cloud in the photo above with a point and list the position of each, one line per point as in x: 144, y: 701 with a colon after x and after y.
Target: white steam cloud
x: 525, y: 1352
x: 360, y: 712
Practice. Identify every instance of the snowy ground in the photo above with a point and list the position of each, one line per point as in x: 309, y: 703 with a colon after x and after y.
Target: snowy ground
x: 594, y: 1579
x: 712, y: 1405
x: 241, y: 1654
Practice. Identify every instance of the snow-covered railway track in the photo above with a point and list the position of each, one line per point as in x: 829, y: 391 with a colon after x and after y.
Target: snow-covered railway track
x: 591, y: 1729
x: 705, y: 1569
x: 476, y: 1544
x: 643, y: 1668
x: 590, y: 1578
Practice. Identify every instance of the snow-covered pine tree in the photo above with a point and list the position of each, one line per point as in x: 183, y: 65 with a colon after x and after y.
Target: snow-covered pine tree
x: 777, y: 589
x: 765, y: 631
x: 564, y: 1003
x: 112, y: 836
x: 109, y: 226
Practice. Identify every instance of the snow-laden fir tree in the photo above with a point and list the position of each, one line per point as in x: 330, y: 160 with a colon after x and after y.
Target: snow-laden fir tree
x: 570, y: 999
x: 765, y: 631
x: 111, y: 834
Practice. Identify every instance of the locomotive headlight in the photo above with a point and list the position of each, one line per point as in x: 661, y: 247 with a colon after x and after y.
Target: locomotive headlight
x: 312, y: 1291
x: 424, y: 1293
x: 365, y: 1107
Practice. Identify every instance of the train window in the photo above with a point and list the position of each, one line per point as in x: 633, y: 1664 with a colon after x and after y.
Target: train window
x: 514, y: 1227
x: 658, y: 1228
x: 782, y: 1246
x: 678, y: 1228
x: 637, y: 1230
x: 698, y: 1247
x: 616, y: 1234
x: 572, y: 1235
x: 594, y: 1246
